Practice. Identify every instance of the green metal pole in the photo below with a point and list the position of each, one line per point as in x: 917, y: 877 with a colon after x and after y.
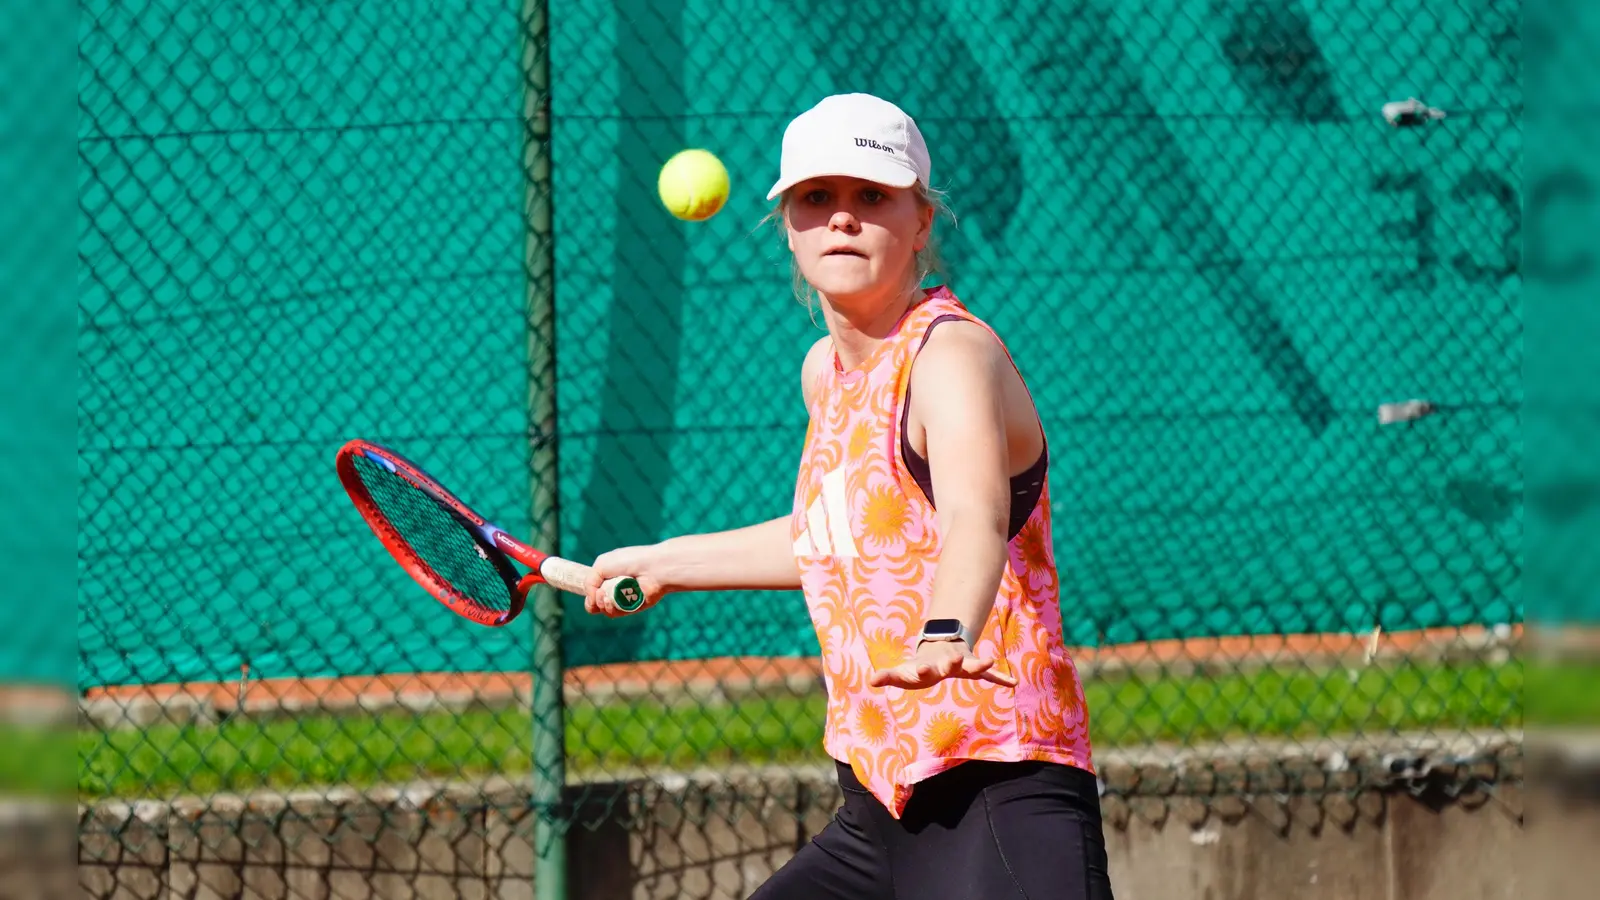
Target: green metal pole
x: 547, y: 704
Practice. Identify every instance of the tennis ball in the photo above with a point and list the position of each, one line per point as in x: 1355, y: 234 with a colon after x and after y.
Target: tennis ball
x: 693, y: 185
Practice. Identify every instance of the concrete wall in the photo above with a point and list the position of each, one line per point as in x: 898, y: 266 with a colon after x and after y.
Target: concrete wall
x: 681, y: 838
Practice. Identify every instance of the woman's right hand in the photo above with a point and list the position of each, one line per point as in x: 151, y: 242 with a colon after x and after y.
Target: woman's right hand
x: 643, y: 563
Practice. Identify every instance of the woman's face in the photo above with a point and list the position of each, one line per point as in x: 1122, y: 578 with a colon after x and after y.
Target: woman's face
x: 856, y: 241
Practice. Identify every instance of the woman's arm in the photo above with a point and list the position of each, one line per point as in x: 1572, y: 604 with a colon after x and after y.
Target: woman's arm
x: 756, y: 557
x: 959, y: 390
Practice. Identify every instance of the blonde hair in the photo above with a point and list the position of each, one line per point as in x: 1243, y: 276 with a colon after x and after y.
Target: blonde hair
x: 928, y: 261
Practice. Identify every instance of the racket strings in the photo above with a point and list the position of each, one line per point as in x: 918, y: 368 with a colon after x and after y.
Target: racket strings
x: 441, y: 541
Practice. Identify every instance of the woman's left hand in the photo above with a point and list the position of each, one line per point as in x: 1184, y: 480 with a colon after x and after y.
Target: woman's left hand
x: 937, y: 660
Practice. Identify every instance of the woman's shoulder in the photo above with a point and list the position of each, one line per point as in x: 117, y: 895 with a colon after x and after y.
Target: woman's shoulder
x: 815, y: 364
x: 954, y: 328
x: 959, y: 345
x: 959, y: 341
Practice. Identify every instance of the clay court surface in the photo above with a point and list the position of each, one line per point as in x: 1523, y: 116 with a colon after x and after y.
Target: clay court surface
x: 728, y: 674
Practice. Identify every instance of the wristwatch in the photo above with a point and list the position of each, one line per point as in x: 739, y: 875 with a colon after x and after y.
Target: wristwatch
x: 945, y: 630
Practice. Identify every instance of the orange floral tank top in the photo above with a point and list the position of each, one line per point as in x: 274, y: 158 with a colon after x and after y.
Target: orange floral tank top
x: 867, y: 542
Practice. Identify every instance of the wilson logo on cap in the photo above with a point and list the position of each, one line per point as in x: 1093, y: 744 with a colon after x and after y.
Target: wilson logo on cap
x: 869, y: 142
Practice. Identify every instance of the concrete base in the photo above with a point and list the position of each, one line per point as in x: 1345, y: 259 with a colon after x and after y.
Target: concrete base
x: 720, y: 838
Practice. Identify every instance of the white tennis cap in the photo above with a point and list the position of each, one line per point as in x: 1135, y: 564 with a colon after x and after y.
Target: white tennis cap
x: 856, y: 135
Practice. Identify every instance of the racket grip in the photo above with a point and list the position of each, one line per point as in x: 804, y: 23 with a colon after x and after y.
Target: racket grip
x: 566, y: 575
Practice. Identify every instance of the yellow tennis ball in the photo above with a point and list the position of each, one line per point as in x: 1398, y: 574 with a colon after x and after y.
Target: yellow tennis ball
x: 693, y: 185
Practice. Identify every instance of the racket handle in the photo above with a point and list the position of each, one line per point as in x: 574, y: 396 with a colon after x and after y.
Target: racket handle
x: 566, y: 575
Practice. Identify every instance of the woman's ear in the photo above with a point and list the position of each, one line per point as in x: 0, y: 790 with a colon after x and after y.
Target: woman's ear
x: 783, y: 219
x: 924, y: 226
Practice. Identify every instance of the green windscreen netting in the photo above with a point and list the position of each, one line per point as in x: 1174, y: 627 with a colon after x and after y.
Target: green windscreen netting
x: 1211, y: 256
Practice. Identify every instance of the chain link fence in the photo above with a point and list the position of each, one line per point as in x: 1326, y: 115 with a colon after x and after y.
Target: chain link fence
x: 1218, y: 263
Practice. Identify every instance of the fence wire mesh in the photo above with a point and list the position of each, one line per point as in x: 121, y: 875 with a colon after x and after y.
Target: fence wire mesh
x: 1211, y: 254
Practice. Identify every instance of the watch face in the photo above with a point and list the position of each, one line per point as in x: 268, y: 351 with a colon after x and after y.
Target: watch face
x: 939, y: 628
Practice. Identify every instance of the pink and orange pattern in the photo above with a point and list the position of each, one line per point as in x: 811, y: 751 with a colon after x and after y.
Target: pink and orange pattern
x: 867, y: 542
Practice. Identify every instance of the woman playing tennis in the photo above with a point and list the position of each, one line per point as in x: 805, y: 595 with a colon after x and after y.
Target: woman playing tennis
x: 920, y: 536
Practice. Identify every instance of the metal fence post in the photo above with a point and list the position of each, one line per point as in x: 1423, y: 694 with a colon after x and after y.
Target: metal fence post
x: 546, y: 700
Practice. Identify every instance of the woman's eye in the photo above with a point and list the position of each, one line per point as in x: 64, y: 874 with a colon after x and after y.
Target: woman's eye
x: 872, y: 197
x: 816, y: 197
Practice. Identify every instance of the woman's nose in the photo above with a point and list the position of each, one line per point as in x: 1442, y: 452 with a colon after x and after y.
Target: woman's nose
x: 843, y: 220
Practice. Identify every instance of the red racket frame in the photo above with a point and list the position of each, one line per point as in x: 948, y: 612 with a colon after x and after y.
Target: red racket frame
x: 502, y: 545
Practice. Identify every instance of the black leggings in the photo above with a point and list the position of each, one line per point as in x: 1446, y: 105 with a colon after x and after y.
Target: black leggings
x: 979, y: 831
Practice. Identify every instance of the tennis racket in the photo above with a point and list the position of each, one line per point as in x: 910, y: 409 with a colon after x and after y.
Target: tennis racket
x: 458, y: 556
